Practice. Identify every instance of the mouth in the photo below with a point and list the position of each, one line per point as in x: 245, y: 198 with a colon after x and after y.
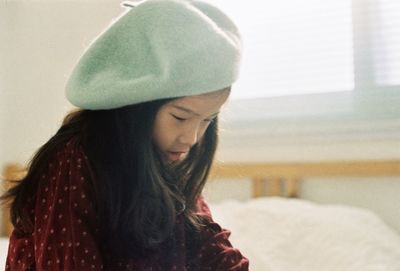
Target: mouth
x: 175, y: 156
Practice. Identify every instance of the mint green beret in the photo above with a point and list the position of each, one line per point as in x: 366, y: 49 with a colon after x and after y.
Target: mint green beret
x: 154, y: 50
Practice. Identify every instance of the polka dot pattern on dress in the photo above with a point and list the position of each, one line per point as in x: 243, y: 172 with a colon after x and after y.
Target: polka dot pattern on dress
x: 66, y: 228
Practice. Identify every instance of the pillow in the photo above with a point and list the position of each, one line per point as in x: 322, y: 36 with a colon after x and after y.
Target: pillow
x: 295, y: 234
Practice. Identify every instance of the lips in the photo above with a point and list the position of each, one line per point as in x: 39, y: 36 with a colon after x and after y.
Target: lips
x: 174, y: 156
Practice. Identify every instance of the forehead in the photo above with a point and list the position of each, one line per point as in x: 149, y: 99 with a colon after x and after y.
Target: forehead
x: 201, y: 103
x: 212, y: 99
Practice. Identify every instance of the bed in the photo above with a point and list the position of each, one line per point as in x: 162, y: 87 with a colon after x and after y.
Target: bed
x: 279, y: 231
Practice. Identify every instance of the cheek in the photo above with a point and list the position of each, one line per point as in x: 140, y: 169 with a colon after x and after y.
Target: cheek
x: 205, y: 126
x: 162, y: 134
x: 202, y: 130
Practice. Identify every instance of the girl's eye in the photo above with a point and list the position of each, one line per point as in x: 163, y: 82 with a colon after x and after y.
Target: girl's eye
x: 178, y: 118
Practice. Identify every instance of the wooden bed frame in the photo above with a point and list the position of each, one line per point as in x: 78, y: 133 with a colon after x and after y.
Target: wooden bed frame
x: 268, y: 179
x: 283, y: 179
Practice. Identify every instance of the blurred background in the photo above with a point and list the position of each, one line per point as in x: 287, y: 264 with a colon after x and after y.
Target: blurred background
x: 320, y: 81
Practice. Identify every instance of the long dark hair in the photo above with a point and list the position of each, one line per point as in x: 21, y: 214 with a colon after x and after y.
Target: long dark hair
x: 137, y: 196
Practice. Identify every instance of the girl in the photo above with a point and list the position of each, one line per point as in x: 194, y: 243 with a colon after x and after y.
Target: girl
x: 118, y: 187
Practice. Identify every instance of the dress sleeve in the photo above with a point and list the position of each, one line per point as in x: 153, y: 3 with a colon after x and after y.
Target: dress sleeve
x: 216, y: 252
x: 65, y: 227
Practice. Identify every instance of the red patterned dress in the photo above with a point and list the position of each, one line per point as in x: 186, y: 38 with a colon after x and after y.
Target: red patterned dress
x: 66, y: 231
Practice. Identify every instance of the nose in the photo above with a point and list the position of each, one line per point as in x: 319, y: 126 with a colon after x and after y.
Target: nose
x: 189, y: 136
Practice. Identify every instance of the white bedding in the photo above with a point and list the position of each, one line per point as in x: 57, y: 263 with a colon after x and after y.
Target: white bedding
x: 291, y: 234
x: 3, y: 252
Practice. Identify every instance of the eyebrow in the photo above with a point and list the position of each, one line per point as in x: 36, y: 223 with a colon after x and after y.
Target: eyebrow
x: 187, y: 110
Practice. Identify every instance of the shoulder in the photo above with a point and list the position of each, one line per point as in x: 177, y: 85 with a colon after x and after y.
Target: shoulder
x: 69, y: 160
x: 69, y: 154
x: 72, y: 147
x: 68, y: 177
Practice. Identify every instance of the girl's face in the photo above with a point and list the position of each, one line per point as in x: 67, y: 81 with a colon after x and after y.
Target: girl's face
x: 181, y: 123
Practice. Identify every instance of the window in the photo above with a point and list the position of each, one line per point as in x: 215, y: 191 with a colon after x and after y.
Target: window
x: 312, y: 46
x: 315, y: 73
x: 386, y: 41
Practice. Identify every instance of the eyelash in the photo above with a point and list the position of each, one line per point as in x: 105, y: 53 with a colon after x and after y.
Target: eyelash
x: 178, y: 118
x: 182, y: 119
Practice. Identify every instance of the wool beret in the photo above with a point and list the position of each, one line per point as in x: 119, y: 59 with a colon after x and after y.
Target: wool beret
x: 157, y: 49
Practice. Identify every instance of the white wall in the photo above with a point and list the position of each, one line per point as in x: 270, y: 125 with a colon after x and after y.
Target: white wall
x: 3, y: 49
x: 43, y: 42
